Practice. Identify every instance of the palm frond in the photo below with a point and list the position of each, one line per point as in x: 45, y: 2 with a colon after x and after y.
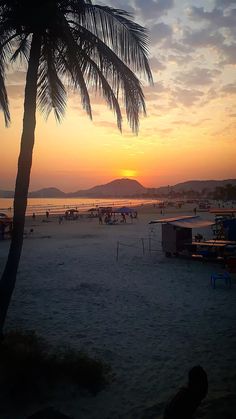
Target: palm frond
x: 51, y: 91
x: 5, y: 49
x: 95, y: 77
x: 22, y: 50
x: 117, y: 73
x: 73, y: 65
x: 126, y: 38
x: 3, y: 97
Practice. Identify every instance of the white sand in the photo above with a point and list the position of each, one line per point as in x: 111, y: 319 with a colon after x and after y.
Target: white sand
x: 151, y: 318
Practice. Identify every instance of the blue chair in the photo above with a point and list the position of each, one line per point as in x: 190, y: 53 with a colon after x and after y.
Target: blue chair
x: 225, y: 276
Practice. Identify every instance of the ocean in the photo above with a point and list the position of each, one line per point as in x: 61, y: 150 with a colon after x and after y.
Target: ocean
x: 59, y: 205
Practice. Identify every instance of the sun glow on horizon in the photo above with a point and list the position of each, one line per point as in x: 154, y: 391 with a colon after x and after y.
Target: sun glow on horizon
x: 128, y: 173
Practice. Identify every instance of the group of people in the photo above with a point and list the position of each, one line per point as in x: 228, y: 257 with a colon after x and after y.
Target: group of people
x: 111, y: 218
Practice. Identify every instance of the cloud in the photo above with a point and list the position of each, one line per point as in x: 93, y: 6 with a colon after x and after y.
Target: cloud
x: 228, y: 53
x: 216, y: 17
x: 156, y: 65
x: 224, y: 3
x: 15, y: 91
x: 159, y: 32
x: 203, y: 39
x: 187, y: 97
x: 176, y: 46
x: 106, y: 124
x: 154, y: 92
x: 16, y: 77
x: 229, y: 89
x: 198, y: 76
x: 152, y: 9
x: 189, y: 123
x: 180, y: 59
x: 211, y: 95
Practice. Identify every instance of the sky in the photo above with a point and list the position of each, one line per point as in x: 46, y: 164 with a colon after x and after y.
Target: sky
x: 190, y: 128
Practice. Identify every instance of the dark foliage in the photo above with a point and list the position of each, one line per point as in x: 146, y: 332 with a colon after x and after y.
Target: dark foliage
x: 29, y: 368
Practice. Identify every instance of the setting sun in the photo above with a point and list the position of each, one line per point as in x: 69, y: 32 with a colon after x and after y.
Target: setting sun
x: 128, y: 173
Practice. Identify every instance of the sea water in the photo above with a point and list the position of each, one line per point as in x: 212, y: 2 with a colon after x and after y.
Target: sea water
x: 60, y: 205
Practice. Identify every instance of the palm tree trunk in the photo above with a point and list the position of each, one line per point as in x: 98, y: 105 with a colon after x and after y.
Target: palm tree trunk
x: 7, y: 282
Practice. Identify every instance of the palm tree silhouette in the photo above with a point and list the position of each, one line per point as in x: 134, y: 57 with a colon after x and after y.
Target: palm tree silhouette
x: 73, y: 42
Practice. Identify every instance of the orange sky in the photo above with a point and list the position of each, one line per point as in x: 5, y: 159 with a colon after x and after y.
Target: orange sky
x: 189, y: 132
x: 170, y: 148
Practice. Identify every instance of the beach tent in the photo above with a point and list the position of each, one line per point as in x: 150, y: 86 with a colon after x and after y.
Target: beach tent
x: 71, y: 214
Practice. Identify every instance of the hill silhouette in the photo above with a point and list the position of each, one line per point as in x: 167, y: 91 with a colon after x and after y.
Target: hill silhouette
x: 125, y: 188
x: 115, y: 188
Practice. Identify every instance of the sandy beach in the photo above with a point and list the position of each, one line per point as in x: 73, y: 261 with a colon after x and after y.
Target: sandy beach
x: 150, y: 317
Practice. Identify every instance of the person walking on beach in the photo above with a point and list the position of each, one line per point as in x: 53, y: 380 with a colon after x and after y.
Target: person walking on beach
x: 186, y: 401
x: 47, y: 214
x: 33, y: 216
x: 100, y: 218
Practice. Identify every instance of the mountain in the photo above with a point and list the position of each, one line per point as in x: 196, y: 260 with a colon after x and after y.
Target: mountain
x: 116, y: 188
x: 47, y: 193
x: 6, y: 194
x: 199, y: 185
x: 126, y: 188
x: 192, y: 185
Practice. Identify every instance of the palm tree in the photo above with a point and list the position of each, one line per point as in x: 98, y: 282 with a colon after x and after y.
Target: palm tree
x: 76, y: 43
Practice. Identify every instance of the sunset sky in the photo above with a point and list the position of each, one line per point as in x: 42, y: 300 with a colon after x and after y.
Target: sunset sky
x: 189, y: 132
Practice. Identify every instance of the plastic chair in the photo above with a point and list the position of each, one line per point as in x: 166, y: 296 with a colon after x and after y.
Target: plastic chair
x: 225, y: 276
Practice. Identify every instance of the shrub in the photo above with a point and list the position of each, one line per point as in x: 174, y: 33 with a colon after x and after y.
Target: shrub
x: 29, y: 367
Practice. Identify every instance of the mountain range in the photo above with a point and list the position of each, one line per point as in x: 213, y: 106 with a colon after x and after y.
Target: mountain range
x: 125, y: 188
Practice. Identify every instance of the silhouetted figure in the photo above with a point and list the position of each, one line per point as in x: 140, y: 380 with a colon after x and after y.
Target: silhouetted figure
x: 47, y: 214
x: 187, y: 400
x: 100, y: 218
x: 33, y: 216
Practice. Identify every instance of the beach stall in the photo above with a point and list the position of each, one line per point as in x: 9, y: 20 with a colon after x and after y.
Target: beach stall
x: 225, y: 223
x: 177, y: 233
